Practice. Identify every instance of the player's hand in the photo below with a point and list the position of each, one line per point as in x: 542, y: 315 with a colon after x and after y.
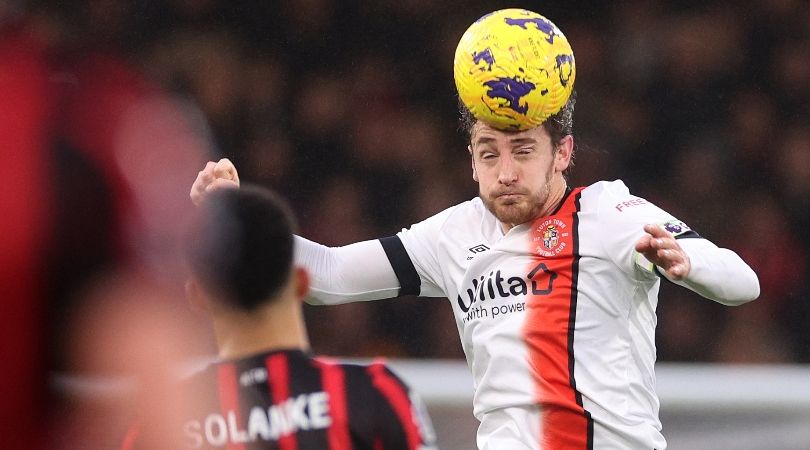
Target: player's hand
x: 663, y: 250
x: 215, y: 175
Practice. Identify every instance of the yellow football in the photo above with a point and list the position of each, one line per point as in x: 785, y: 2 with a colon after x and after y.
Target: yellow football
x: 513, y: 69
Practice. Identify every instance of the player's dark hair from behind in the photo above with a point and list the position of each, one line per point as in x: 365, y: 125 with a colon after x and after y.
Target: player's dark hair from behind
x: 241, y: 245
x: 557, y: 125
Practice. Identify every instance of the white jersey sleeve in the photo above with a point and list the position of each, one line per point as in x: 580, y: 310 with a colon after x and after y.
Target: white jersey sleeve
x: 355, y: 272
x: 405, y: 264
x: 718, y: 274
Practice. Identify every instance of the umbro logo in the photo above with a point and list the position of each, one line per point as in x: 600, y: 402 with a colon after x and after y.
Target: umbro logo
x: 480, y: 248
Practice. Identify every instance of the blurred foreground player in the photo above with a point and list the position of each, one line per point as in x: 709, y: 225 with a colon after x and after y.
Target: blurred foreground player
x: 266, y: 391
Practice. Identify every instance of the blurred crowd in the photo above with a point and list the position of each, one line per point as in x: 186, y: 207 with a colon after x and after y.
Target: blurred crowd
x: 347, y: 107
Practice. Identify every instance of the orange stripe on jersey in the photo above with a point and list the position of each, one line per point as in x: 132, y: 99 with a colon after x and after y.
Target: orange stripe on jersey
x: 279, y: 379
x: 397, y: 397
x: 229, y: 398
x: 334, y: 385
x: 549, y: 327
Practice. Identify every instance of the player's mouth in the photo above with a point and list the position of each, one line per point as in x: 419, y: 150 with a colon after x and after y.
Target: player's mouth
x: 509, y: 198
x: 508, y: 195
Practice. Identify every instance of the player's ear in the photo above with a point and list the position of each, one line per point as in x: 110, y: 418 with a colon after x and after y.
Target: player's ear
x: 472, y: 160
x: 562, y: 157
x: 301, y: 280
x: 195, y: 295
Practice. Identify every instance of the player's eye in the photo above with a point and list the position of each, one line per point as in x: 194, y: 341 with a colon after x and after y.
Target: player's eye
x: 524, y: 151
x: 488, y: 156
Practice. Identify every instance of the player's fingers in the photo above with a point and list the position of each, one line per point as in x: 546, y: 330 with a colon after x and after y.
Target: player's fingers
x: 662, y: 243
x: 653, y: 229
x: 221, y: 183
x: 643, y: 244
x: 224, y: 168
x: 656, y: 231
x: 663, y: 250
x: 196, y: 195
x: 198, y: 187
x: 678, y: 271
x: 666, y: 256
x: 669, y: 258
x: 204, y: 178
x: 208, y: 171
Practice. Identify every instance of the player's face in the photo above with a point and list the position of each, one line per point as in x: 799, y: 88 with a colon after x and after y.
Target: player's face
x: 517, y: 171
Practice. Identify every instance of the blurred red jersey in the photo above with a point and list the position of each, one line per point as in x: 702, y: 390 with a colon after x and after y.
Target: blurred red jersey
x: 288, y: 400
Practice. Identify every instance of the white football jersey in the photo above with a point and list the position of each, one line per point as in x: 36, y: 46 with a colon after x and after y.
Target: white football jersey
x: 556, y: 317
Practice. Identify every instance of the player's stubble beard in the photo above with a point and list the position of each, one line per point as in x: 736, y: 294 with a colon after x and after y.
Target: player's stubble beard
x: 518, y: 211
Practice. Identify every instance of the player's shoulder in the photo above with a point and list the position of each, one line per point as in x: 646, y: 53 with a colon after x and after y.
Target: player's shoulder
x: 464, y: 211
x: 463, y: 214
x: 467, y: 214
x: 362, y: 370
x: 388, y: 399
x: 373, y: 381
x: 607, y: 189
x: 612, y: 197
x: 616, y: 204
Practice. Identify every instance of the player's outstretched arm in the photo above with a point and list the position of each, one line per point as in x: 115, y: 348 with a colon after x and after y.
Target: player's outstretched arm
x: 355, y: 272
x: 215, y: 175
x: 697, y: 264
x: 393, y: 266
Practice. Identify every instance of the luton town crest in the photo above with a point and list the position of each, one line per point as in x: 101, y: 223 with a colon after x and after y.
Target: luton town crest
x: 551, y: 237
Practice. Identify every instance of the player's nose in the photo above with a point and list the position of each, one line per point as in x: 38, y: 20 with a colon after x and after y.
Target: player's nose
x: 506, y: 170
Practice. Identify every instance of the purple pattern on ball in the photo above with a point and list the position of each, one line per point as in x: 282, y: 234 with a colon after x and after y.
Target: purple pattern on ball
x: 562, y: 60
x: 511, y: 90
x: 485, y: 56
x: 543, y: 25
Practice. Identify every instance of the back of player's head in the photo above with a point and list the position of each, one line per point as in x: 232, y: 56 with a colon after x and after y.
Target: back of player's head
x: 241, y: 246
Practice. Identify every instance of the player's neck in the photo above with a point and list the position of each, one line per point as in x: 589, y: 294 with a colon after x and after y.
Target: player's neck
x: 555, y: 196
x: 276, y: 326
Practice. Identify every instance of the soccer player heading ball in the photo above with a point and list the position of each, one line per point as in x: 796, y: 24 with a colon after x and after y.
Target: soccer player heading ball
x: 554, y: 288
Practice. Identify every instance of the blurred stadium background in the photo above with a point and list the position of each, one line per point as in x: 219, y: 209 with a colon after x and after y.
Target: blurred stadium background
x: 110, y: 107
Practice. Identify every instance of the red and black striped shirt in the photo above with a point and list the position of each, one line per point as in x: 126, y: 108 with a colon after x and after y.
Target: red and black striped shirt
x: 288, y: 400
